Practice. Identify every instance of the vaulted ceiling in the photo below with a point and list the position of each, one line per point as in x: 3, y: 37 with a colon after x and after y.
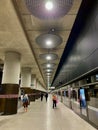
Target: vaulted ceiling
x: 19, y: 29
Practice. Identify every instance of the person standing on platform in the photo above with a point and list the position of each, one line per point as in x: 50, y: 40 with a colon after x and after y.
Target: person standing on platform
x: 42, y: 96
x: 25, y: 101
x: 46, y: 96
x: 54, y: 99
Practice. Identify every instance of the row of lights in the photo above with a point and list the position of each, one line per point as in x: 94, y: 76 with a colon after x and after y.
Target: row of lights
x: 49, y: 9
x: 48, y: 41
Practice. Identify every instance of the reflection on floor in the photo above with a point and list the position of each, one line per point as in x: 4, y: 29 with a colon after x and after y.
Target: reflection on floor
x: 41, y: 116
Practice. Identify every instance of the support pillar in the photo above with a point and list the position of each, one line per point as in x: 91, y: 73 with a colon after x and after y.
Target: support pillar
x: 33, y: 81
x: 26, y: 77
x: 10, y: 83
x: 26, y: 81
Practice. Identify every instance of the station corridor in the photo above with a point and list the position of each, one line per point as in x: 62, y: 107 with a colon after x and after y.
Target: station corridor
x: 41, y: 116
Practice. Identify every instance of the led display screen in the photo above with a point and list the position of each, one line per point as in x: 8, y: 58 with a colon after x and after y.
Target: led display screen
x: 82, y: 98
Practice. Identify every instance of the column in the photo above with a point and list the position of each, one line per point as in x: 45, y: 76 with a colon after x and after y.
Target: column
x: 26, y: 81
x: 33, y: 81
x: 10, y: 83
x: 26, y: 77
x: 36, y: 83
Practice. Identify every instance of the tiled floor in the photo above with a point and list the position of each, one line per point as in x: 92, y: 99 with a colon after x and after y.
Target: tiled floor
x: 41, y: 116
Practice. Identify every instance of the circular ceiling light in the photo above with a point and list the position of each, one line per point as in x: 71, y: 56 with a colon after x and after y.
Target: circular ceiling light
x: 48, y: 65
x: 48, y: 57
x: 48, y: 41
x: 48, y: 74
x: 49, y: 9
x: 48, y: 70
x: 48, y: 77
x: 49, y: 5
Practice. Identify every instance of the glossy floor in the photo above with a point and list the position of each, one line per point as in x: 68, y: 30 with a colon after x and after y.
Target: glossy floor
x: 41, y: 116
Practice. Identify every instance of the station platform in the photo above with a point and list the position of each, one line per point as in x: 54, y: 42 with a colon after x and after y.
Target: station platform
x: 41, y: 116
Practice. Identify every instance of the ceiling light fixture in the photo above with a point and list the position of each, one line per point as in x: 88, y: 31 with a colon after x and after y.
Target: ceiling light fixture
x: 48, y: 41
x: 49, y: 56
x: 49, y: 9
x: 48, y: 65
x: 49, y: 5
x: 48, y: 74
x: 48, y: 70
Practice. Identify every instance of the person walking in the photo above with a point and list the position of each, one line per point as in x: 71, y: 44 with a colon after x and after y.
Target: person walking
x: 46, y: 96
x: 42, y: 96
x: 25, y: 101
x: 54, y: 99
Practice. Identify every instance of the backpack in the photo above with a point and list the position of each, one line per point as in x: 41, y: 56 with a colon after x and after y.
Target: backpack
x: 25, y: 99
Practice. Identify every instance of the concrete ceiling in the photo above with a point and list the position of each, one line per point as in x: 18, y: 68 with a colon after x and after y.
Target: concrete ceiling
x: 19, y: 29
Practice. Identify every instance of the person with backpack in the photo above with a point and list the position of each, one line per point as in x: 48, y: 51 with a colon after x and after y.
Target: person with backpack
x: 25, y: 101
